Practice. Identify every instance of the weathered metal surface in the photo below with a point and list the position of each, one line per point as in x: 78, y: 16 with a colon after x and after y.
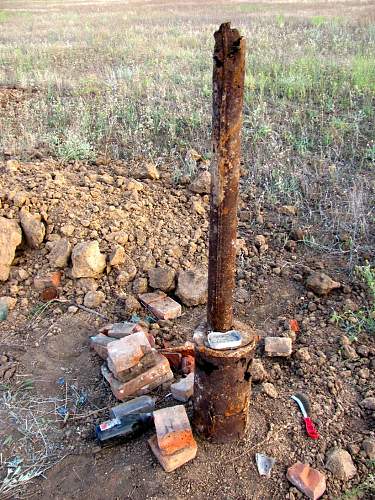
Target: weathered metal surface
x: 222, y: 391
x: 228, y: 87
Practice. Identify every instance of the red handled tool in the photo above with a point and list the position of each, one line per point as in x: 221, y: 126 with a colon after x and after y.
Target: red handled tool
x: 304, y: 406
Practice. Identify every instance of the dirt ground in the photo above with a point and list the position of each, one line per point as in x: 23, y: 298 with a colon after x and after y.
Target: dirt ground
x: 54, y: 366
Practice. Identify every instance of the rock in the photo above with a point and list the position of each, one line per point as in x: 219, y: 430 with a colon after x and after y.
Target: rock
x: 10, y: 238
x: 93, y: 299
x: 297, y: 234
x: 10, y: 302
x: 162, y: 278
x: 67, y: 229
x: 132, y: 305
x: 270, y: 390
x: 260, y: 241
x: 288, y: 210
x: 202, y: 183
x: 340, y: 463
x: 183, y: 390
x: 278, y: 346
x: 192, y: 287
x: 140, y: 286
x: 368, y: 446
x: 348, y: 352
x: 368, y: 404
x: 117, y: 256
x: 257, y: 371
x: 152, y: 172
x: 127, y: 273
x: 33, y: 228
x: 87, y: 260
x: 321, y: 283
x: 60, y: 253
x: 303, y: 355
x: 308, y: 480
x: 198, y: 207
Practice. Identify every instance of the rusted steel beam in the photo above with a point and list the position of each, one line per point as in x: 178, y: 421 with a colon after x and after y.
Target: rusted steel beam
x: 222, y: 379
x: 228, y: 88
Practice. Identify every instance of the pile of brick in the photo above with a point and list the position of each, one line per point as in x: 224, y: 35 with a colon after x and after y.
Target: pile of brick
x: 132, y: 366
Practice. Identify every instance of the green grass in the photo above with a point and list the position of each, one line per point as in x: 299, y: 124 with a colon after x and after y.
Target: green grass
x: 130, y: 81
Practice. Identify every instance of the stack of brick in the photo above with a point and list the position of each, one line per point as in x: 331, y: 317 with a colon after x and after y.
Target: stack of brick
x: 174, y: 443
x: 132, y: 366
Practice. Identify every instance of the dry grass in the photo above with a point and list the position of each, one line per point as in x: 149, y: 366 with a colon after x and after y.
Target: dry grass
x: 129, y: 79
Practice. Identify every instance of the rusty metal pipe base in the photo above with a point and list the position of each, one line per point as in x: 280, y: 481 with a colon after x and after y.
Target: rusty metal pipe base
x: 222, y: 387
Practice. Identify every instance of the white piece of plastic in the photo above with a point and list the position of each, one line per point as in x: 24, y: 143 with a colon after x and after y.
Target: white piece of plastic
x: 264, y: 464
x: 224, y: 340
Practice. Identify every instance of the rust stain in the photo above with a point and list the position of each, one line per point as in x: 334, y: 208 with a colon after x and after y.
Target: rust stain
x: 228, y: 88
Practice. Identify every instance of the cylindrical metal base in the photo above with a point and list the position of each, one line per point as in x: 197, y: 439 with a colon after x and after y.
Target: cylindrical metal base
x: 222, y: 388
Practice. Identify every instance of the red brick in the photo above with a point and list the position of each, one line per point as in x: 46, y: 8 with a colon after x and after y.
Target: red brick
x: 186, y: 349
x: 51, y: 280
x: 125, y: 353
x: 99, y: 343
x: 160, y: 305
x: 174, y: 359
x: 310, y: 481
x: 172, y: 462
x: 141, y: 383
x: 188, y: 364
x: 173, y: 429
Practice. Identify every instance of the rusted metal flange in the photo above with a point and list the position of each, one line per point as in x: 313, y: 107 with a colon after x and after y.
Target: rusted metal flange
x: 222, y: 387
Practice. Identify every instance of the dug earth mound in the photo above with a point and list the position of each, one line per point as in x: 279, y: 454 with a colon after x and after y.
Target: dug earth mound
x: 81, y: 243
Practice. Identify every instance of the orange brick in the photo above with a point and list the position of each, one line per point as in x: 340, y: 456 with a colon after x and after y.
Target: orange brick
x: 141, y: 383
x: 160, y: 305
x: 310, y: 481
x: 172, y: 462
x: 173, y: 429
x: 127, y: 352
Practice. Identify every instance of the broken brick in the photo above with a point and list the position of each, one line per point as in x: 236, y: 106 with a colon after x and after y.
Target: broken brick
x: 99, y: 343
x: 188, y: 364
x: 173, y: 429
x: 51, y: 280
x: 310, y: 481
x: 278, y: 346
x: 127, y: 352
x: 175, y: 460
x: 160, y: 305
x: 121, y: 330
x: 174, y: 359
x: 184, y: 388
x: 142, y: 383
x: 186, y: 349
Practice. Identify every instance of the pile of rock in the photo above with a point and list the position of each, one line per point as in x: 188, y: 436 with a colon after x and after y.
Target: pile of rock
x: 132, y: 366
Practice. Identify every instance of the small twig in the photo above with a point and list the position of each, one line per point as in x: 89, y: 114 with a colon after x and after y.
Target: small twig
x: 94, y: 412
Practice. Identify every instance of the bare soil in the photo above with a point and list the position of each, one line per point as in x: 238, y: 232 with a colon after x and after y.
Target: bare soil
x: 161, y: 224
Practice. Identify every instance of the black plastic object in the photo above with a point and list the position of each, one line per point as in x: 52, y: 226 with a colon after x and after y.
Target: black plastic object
x: 127, y: 427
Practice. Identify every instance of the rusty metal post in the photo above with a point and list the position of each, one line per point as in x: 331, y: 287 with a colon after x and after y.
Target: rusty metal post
x: 228, y: 89
x: 222, y: 378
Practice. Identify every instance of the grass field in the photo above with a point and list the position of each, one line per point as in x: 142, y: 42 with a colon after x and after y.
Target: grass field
x: 133, y: 79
